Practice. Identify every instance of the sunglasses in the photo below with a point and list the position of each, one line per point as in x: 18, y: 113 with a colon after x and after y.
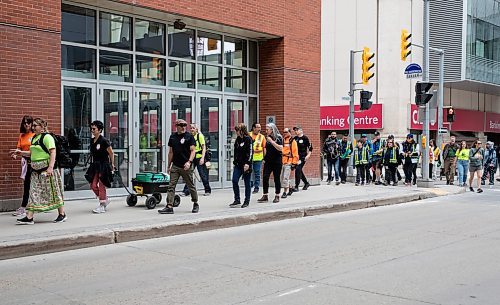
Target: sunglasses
x: 479, y: 143
x: 93, y: 128
x: 181, y: 125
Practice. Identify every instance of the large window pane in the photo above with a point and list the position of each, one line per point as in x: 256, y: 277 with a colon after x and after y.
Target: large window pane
x: 78, y: 24
x: 78, y: 62
x: 180, y: 74
x: 210, y: 129
x: 115, y: 31
x: 252, y: 110
x: 115, y: 66
x: 149, y: 37
x: 209, y: 47
x: 235, y: 81
x: 150, y: 131
x: 252, y: 54
x: 77, y: 116
x: 252, y: 82
x: 209, y: 77
x: 235, y: 51
x: 182, y: 108
x: 181, y: 43
x: 150, y: 70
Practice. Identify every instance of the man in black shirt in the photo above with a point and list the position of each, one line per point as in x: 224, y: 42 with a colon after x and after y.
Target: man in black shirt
x: 305, y: 150
x: 180, y: 158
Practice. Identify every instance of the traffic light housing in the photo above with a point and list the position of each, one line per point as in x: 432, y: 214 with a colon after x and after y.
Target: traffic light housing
x: 422, y: 96
x: 366, y: 66
x: 450, y: 116
x: 405, y: 44
x: 364, y: 97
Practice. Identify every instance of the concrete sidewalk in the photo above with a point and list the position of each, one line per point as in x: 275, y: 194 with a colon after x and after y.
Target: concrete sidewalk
x: 123, y: 223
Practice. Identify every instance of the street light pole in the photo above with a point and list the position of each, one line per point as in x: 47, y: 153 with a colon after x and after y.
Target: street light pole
x: 351, y: 109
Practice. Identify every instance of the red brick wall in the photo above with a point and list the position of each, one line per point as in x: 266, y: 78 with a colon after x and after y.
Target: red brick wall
x: 31, y: 81
x: 289, y: 77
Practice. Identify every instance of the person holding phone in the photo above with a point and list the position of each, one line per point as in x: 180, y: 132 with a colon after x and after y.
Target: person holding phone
x: 242, y: 165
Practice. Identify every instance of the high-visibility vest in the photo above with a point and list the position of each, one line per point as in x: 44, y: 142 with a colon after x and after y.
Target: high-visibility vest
x: 258, y: 147
x: 364, y: 156
x: 394, y: 157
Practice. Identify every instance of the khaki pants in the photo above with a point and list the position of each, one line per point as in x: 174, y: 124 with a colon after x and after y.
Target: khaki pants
x: 449, y: 169
x: 175, y: 173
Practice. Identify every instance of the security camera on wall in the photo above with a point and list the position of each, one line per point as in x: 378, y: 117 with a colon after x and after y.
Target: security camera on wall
x: 179, y: 25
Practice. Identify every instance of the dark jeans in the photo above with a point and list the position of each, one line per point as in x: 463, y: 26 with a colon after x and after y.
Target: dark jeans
x: 237, y: 173
x: 256, y: 168
x: 203, y: 171
x: 368, y: 168
x: 276, y: 170
x: 360, y: 173
x: 343, y: 169
x: 390, y: 173
x: 332, y: 165
x: 410, y: 170
x: 175, y: 173
x: 26, y: 185
x: 431, y: 168
x: 299, y: 174
x: 488, y: 170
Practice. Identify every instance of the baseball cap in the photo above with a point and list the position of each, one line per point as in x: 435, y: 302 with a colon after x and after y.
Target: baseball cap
x: 363, y: 135
x: 376, y: 133
x: 409, y: 136
x: 180, y: 122
x: 297, y: 127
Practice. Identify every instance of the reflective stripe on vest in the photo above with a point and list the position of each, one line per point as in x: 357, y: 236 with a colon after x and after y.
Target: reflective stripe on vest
x: 364, y: 159
x: 258, y: 150
x: 394, y: 158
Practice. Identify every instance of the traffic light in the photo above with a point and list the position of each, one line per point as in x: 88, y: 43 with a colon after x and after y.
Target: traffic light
x: 366, y: 75
x: 422, y: 97
x: 450, y: 116
x: 405, y: 44
x: 365, y: 97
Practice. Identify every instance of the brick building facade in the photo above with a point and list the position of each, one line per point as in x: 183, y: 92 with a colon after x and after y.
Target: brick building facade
x: 288, y: 70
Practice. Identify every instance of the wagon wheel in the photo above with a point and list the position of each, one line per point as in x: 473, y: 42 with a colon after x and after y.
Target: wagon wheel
x: 157, y: 196
x: 151, y: 202
x: 132, y: 200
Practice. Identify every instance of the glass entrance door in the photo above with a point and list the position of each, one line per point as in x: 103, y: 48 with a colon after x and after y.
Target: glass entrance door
x: 211, y: 128
x: 79, y: 108
x: 117, y: 119
x: 150, y: 130
x: 235, y: 112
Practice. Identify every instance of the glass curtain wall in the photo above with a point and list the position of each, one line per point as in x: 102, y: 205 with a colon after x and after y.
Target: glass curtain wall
x: 483, y: 40
x: 107, y: 48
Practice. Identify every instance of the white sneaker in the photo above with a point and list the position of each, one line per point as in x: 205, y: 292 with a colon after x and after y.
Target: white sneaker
x: 20, y: 212
x: 99, y: 210
x: 106, y: 203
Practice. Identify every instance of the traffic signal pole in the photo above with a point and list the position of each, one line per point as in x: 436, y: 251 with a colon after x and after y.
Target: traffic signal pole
x: 352, y: 88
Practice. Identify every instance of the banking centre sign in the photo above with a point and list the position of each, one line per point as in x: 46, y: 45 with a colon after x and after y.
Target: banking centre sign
x: 337, y: 117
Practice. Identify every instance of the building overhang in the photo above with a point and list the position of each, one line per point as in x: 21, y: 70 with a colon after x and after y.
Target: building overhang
x: 474, y: 86
x: 170, y: 17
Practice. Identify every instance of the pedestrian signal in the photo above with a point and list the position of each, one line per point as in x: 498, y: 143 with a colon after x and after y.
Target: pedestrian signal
x: 422, y: 96
x: 450, y: 116
x: 365, y: 97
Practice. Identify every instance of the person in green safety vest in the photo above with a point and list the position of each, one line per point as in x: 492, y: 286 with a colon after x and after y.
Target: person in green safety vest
x: 361, y: 156
x: 391, y: 160
x: 345, y: 148
x: 199, y: 161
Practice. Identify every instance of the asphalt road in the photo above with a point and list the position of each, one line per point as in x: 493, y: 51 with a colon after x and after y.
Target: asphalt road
x: 438, y: 251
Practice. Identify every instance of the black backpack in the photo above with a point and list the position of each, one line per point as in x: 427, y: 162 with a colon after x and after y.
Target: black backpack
x: 208, y: 152
x: 63, y: 155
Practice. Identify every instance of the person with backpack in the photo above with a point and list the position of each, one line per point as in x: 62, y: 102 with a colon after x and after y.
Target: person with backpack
x: 100, y: 171
x: 199, y: 160
x: 345, y: 154
x: 490, y: 164
x: 290, y: 158
x: 476, y: 161
x: 46, y: 189
x: 23, y: 144
x: 332, y: 152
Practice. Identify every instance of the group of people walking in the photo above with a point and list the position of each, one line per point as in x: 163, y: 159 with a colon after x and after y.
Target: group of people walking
x: 371, y: 157
x: 43, y: 188
x: 282, y: 154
